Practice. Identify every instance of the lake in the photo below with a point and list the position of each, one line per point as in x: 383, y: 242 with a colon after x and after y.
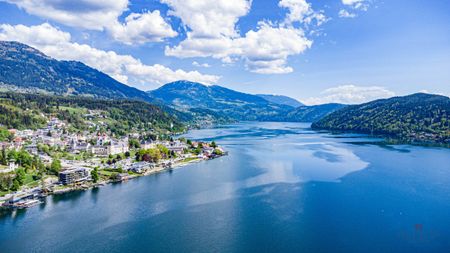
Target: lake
x: 282, y: 188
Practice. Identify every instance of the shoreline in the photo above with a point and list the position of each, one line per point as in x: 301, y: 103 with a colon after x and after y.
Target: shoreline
x: 45, y: 192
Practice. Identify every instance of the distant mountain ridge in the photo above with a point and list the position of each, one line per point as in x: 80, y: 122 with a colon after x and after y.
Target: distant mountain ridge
x: 185, y: 95
x: 418, y: 116
x: 281, y: 100
x: 313, y: 113
x: 26, y: 68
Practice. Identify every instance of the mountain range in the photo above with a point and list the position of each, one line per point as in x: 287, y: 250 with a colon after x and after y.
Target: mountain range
x: 27, y: 70
x: 185, y: 95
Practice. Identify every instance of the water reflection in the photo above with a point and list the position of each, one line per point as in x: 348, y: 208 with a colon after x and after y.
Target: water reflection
x: 283, y: 188
x: 94, y: 194
x: 69, y: 196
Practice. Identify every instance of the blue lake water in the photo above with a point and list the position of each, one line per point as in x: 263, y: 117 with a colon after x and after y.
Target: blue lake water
x: 283, y: 188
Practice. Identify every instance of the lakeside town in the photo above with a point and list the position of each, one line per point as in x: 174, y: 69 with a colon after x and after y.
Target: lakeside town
x: 52, y: 160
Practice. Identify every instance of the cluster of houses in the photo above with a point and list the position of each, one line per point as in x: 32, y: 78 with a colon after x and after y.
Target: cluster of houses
x: 54, y: 135
x: 103, y: 146
x: 100, y: 145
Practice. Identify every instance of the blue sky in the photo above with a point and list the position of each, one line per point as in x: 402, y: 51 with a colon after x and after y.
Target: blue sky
x: 348, y: 51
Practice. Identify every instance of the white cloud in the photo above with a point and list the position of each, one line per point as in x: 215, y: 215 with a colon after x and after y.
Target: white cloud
x: 346, y: 14
x: 209, y: 18
x: 350, y: 94
x: 142, y: 28
x: 102, y: 16
x: 124, y: 68
x: 266, y: 50
x: 204, y: 65
x: 357, y: 4
x: 212, y: 32
x: 211, y: 24
x: 351, y: 2
x: 301, y: 11
x: 89, y: 14
x: 219, y: 47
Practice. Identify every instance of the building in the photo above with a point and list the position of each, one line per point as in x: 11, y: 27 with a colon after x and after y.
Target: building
x: 122, y: 176
x: 100, y: 150
x: 177, y: 147
x: 118, y: 147
x: 140, y: 167
x: 32, y: 149
x: 147, y: 144
x: 55, y: 123
x: 12, y: 166
x: 207, y: 151
x: 75, y: 175
x: 78, y: 147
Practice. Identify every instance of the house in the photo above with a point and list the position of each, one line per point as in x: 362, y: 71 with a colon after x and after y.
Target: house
x: 32, y: 149
x: 17, y: 142
x: 74, y: 175
x: 12, y: 166
x: 140, y: 167
x: 45, y: 158
x: 55, y: 123
x: 177, y: 147
x: 49, y: 140
x: 122, y: 176
x: 207, y: 151
x: 148, y: 144
x: 27, y: 133
x: 118, y: 147
x: 77, y: 147
x: 82, y: 147
x: 100, y: 150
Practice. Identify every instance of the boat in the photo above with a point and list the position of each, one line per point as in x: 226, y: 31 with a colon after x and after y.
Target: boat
x: 28, y: 203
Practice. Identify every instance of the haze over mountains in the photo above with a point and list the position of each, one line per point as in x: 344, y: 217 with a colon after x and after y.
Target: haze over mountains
x: 282, y: 100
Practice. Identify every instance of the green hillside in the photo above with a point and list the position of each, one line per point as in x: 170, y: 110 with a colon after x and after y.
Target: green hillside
x: 418, y: 116
x: 23, y: 111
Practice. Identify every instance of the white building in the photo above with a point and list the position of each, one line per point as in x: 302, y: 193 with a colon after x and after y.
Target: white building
x: 140, y: 167
x: 118, y: 147
x: 74, y: 175
x: 100, y: 150
x: 148, y: 144
x: 11, y: 167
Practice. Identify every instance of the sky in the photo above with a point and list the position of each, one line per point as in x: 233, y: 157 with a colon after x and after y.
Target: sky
x: 317, y: 51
